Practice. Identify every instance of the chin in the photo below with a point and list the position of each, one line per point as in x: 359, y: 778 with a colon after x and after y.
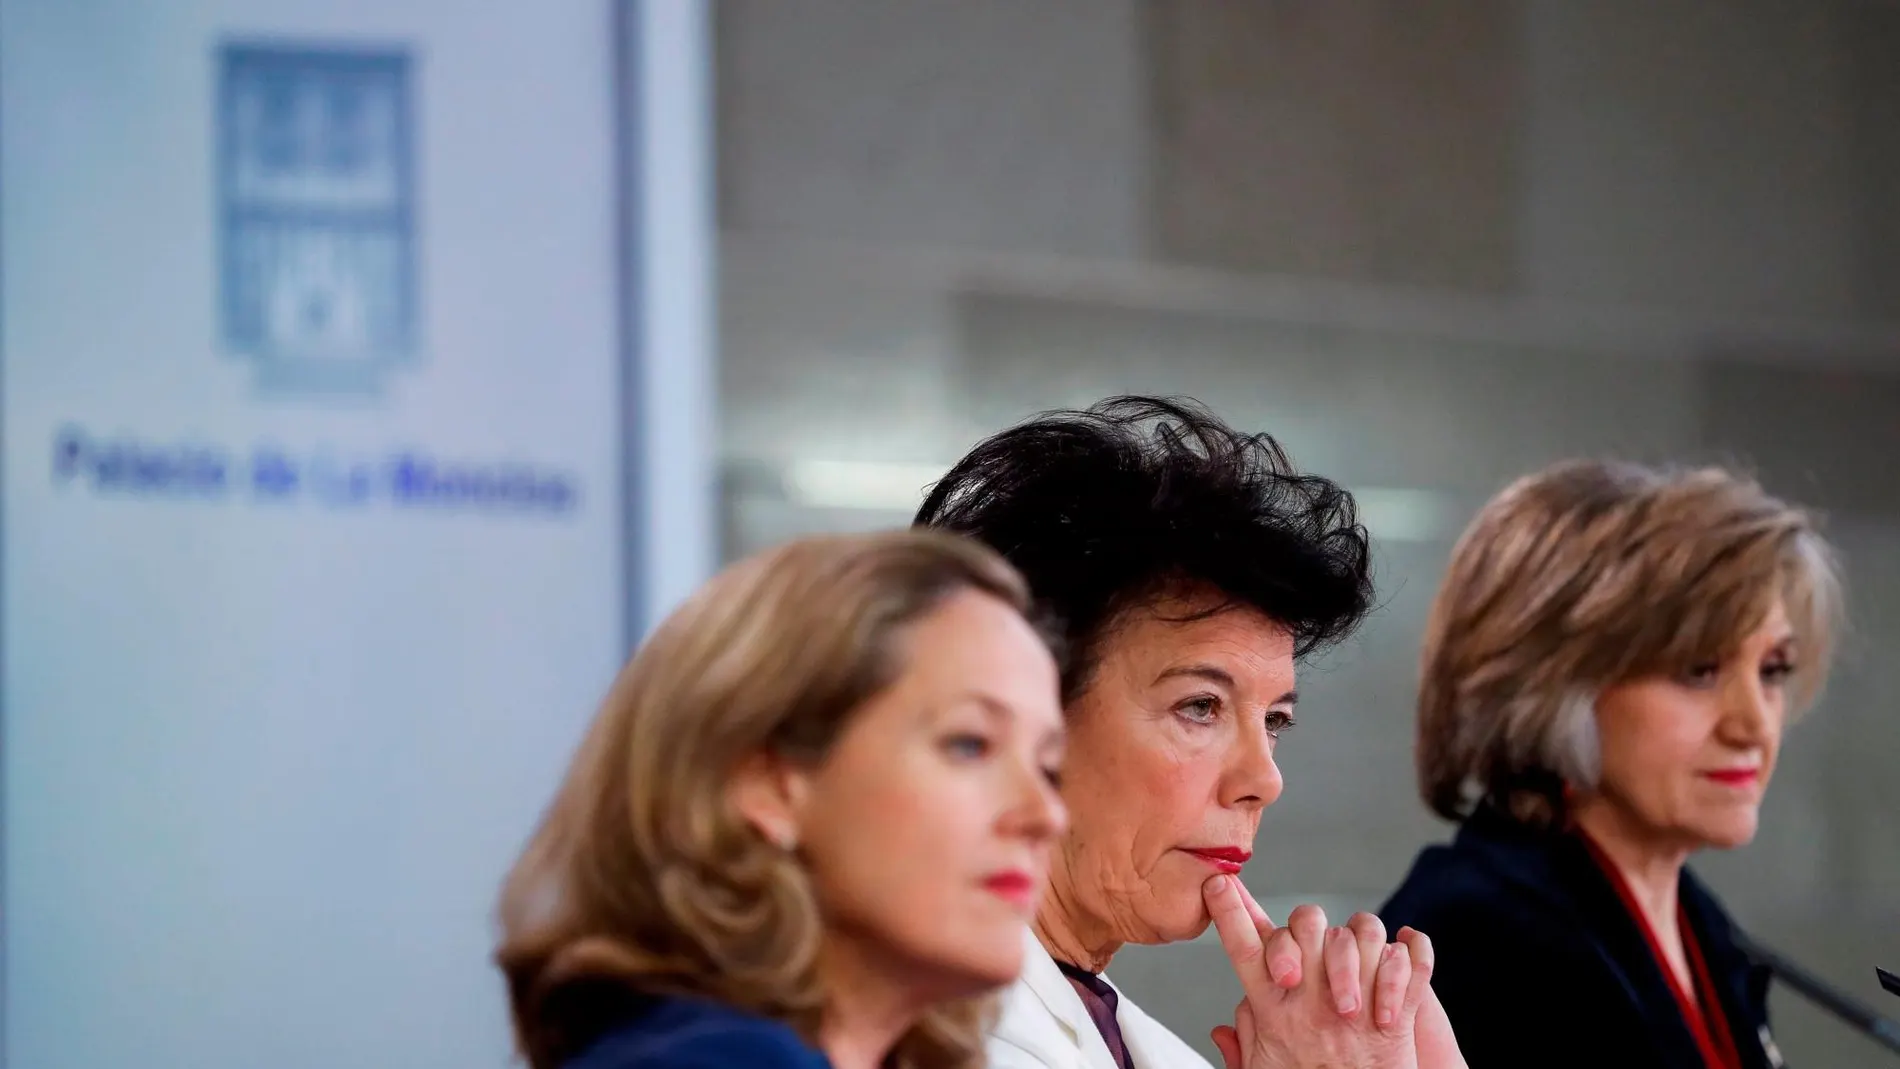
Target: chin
x: 981, y: 965
x: 1730, y: 833
x: 1730, y: 840
x: 1184, y: 919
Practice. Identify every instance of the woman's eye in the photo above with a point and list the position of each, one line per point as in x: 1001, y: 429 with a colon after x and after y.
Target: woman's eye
x: 967, y: 746
x: 1054, y: 776
x: 1777, y: 672
x: 1199, y: 710
x: 1279, y: 720
x: 1702, y: 675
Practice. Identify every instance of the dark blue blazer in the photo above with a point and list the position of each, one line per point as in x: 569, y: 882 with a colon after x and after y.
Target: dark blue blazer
x: 683, y: 1033
x: 1539, y: 962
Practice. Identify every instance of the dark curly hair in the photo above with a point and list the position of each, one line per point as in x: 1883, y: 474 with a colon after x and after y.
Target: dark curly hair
x: 1109, y: 507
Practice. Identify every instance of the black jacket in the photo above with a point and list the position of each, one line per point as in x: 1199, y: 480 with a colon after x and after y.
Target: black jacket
x: 1539, y: 962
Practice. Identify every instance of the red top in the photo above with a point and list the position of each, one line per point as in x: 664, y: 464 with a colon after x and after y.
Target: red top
x: 1702, y: 1008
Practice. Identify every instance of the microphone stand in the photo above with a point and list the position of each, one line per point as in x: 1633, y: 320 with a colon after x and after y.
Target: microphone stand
x: 1862, y: 1019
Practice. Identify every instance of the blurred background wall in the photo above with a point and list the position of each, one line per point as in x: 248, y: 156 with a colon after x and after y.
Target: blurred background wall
x: 357, y: 409
x: 1429, y: 247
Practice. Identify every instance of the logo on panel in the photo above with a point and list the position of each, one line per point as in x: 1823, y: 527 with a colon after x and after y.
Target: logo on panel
x: 318, y: 291
x: 317, y: 215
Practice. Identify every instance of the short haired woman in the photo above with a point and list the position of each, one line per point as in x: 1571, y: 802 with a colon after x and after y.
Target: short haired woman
x: 1608, y: 671
x: 1191, y: 566
x: 807, y: 827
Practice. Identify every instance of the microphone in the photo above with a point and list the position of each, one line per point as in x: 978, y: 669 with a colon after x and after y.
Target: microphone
x: 1862, y: 1019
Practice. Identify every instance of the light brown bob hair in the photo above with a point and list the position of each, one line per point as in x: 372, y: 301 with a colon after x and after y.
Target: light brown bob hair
x: 1586, y: 575
x: 642, y: 878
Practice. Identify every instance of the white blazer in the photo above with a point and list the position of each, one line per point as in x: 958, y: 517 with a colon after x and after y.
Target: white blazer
x: 1044, y: 1025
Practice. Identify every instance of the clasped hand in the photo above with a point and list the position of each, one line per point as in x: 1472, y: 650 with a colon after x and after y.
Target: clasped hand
x: 1339, y: 998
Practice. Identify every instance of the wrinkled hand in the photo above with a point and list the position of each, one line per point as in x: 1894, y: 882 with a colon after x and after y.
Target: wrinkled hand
x: 1339, y: 997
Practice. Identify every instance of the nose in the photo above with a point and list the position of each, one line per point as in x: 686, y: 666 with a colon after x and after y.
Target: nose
x: 1035, y: 811
x: 1252, y: 777
x: 1751, y: 712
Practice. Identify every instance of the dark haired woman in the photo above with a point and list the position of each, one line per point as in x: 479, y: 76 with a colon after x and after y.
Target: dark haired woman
x: 1191, y: 567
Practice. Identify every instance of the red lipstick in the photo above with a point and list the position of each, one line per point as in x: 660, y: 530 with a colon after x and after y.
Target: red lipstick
x: 1734, y: 777
x: 1226, y: 859
x: 1014, y: 886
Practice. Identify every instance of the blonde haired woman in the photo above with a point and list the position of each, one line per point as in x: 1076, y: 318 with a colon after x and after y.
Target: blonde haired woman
x: 1608, y: 670
x: 807, y: 827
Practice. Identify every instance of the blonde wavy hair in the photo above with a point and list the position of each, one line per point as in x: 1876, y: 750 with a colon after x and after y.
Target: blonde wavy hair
x: 1584, y: 576
x: 642, y: 879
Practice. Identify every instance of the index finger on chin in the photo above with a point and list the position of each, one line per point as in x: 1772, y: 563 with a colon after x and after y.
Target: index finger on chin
x: 1239, y: 936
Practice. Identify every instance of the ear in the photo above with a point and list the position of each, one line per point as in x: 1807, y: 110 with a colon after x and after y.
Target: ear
x: 769, y: 794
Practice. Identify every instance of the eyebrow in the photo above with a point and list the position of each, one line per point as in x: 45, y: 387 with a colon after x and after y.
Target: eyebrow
x: 1215, y: 674
x: 993, y: 709
x: 998, y: 712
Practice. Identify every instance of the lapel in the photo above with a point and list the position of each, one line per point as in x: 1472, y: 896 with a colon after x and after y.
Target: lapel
x: 1045, y: 1018
x: 1741, y: 984
x: 1149, y: 1044
x: 1558, y: 870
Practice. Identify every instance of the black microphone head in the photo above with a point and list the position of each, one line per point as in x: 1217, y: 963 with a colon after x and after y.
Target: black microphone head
x: 1888, y: 980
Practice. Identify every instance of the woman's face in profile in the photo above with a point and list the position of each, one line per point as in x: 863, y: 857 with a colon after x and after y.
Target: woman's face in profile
x: 1686, y: 759
x: 929, y: 825
x: 1171, y: 760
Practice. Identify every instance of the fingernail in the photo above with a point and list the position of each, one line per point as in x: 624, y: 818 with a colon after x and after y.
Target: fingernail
x: 1278, y: 968
x: 1349, y: 1004
x: 1222, y: 886
x: 1385, y: 1016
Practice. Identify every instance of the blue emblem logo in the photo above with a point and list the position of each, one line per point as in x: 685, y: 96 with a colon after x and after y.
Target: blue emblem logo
x: 317, y: 206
